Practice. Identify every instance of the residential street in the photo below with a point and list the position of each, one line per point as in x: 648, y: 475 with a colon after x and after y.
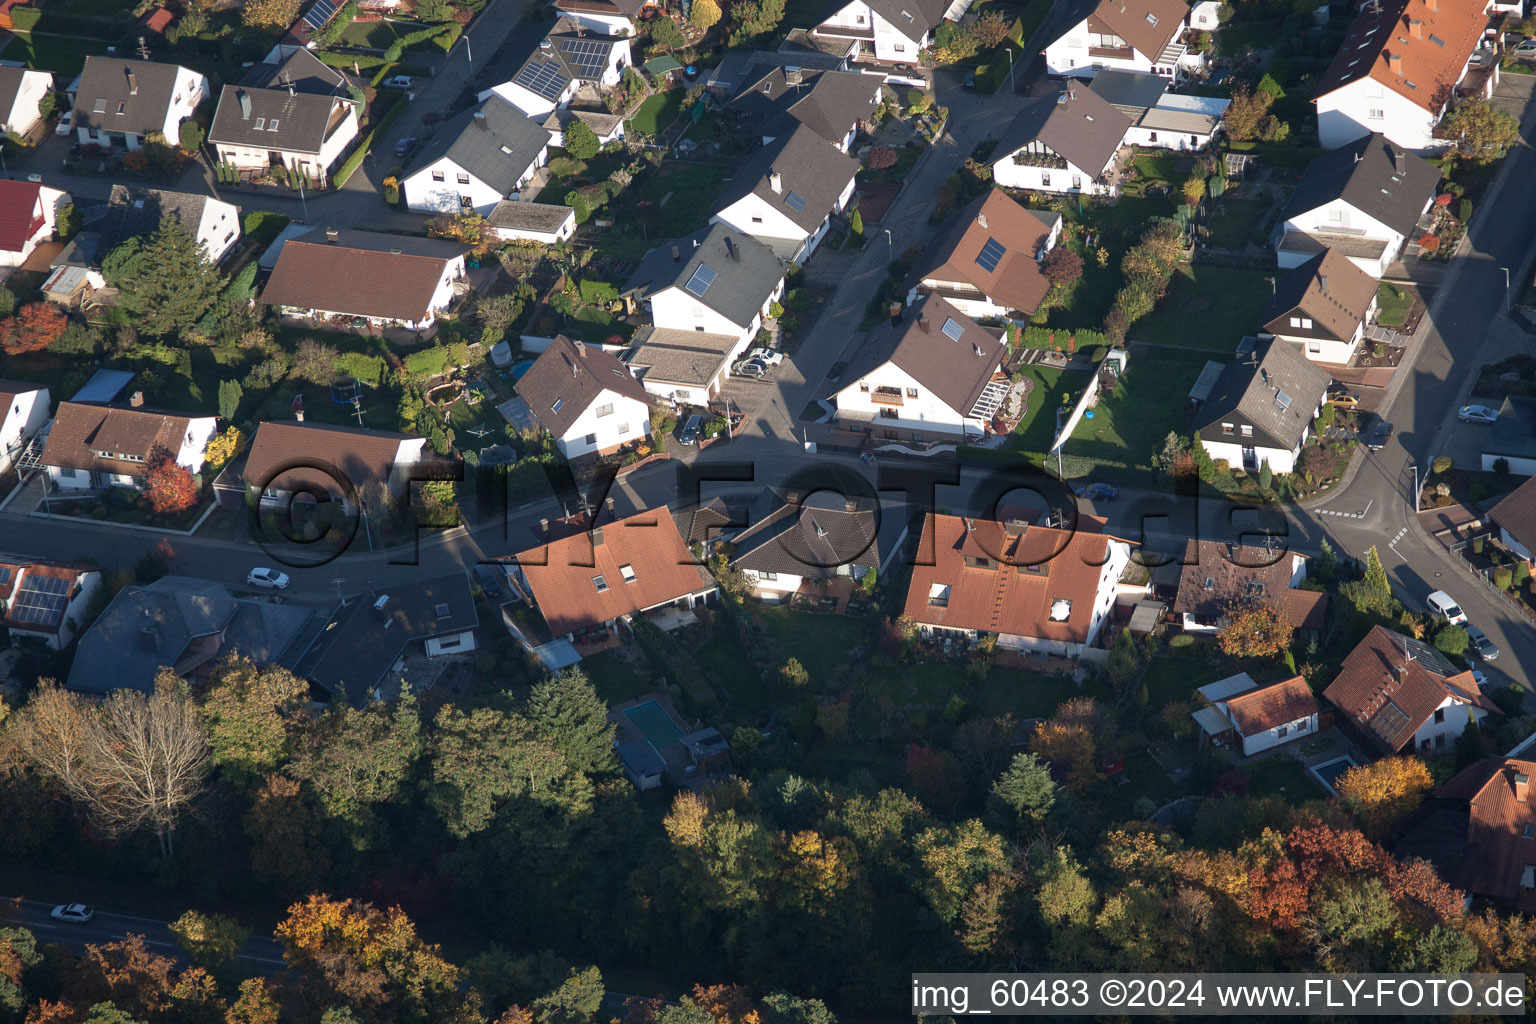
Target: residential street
x: 264, y: 954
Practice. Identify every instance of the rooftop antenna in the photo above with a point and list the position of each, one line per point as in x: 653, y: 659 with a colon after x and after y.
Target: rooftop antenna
x: 143, y: 49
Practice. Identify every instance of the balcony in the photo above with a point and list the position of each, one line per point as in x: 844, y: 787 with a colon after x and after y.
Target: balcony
x: 886, y: 396
x: 1112, y: 52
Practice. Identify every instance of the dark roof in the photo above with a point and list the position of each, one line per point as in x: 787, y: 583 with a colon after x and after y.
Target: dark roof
x: 1473, y: 830
x: 134, y: 212
x: 640, y: 757
x: 20, y: 218
x: 1329, y: 289
x: 302, y: 120
x: 808, y: 166
x: 493, y: 141
x: 529, y: 216
x: 1235, y: 573
x: 1133, y: 93
x: 670, y: 356
x: 11, y: 389
x: 1365, y: 175
x: 567, y: 54
x: 986, y: 223
x: 708, y: 521
x: 1275, y: 389
x: 746, y: 272
x: 362, y: 273
x: 1513, y: 435
x: 566, y: 379
x: 813, y: 537
x: 362, y: 456
x: 627, y: 8
x: 955, y: 370
x: 1516, y: 512
x: 836, y: 101
x: 80, y: 430
x: 142, y: 88
x: 302, y: 70
x: 911, y: 18
x: 1078, y: 124
x: 363, y: 643
x: 10, y: 85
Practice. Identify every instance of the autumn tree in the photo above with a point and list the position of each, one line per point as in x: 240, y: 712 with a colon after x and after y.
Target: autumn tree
x: 1386, y: 791
x: 255, y: 1004
x: 1479, y: 131
x: 794, y: 674
x: 705, y: 14
x: 169, y: 486
x: 953, y: 860
x: 278, y: 14
x: 211, y: 941
x: 1248, y: 115
x: 1193, y: 190
x: 880, y: 158
x: 166, y: 279
x: 288, y: 851
x: 990, y: 30
x: 249, y: 713
x: 34, y: 327
x: 1257, y: 629
x: 1071, y: 747
x: 1062, y: 265
x: 357, y: 759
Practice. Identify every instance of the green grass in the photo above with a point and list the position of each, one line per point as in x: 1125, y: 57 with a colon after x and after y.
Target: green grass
x: 729, y: 668
x: 821, y: 642
x: 657, y: 112
x: 616, y: 681
x: 1156, y: 168
x: 1143, y: 778
x: 63, y: 55
x: 1037, y: 429
x: 1284, y: 777
x: 1128, y: 424
x: 1024, y: 694
x: 1232, y: 38
x: 932, y: 684
x: 1173, y: 677
x: 686, y: 189
x: 1234, y: 225
x: 702, y: 130
x: 1393, y: 304
x: 1206, y: 308
x: 377, y: 35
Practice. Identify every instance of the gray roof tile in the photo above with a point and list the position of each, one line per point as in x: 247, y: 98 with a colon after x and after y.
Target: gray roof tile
x: 808, y: 166
x: 494, y: 141
x: 746, y: 271
x: 1365, y: 175
x: 1250, y: 391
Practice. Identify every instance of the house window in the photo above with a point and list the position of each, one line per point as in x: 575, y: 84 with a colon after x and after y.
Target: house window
x: 938, y: 594
x: 1227, y: 428
x: 1529, y: 832
x: 603, y: 410
x: 1315, y: 348
x: 899, y: 48
x: 1045, y: 178
x: 858, y: 19
x: 1306, y: 323
x: 1077, y: 182
x: 1439, y: 741
x: 911, y: 392
x: 1247, y: 430
x: 437, y: 175
x: 623, y: 429
x: 1439, y: 715
x: 591, y: 439
x: 1210, y: 583
x: 463, y: 178
x: 1280, y: 732
x: 600, y: 582
x: 1152, y: 136
x: 769, y: 576
x: 1295, y: 321
x: 1377, y: 114
x: 757, y: 220
x: 864, y: 386
x: 628, y: 572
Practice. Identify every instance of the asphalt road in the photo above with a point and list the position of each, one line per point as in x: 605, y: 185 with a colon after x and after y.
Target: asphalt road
x: 263, y: 954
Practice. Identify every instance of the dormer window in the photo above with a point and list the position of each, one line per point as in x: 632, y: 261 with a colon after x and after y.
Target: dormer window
x: 938, y: 595
x: 600, y: 582
x: 1247, y: 430
x: 1529, y: 832
x: 1210, y: 583
x: 1227, y: 428
x: 977, y: 562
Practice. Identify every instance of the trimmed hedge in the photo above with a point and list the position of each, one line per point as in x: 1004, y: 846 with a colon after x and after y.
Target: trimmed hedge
x: 25, y: 18
x: 367, y: 369
x: 355, y: 161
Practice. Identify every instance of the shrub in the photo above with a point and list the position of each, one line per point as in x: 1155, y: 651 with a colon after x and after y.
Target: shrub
x: 1451, y: 639
x: 1503, y: 577
x: 1181, y: 641
x: 580, y: 140
x: 1442, y: 464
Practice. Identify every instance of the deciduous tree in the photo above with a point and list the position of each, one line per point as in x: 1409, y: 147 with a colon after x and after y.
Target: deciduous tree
x: 356, y: 759
x: 580, y: 140
x: 250, y: 713
x: 1479, y: 131
x: 37, y: 326
x: 168, y: 486
x: 1062, y: 265
x: 1384, y: 792
x: 953, y: 859
x: 277, y: 14
x: 1255, y: 629
x: 211, y: 941
x: 705, y: 14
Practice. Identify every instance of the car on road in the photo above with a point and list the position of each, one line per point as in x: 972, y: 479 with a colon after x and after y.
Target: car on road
x: 1477, y: 414
x: 72, y: 913
x: 1526, y: 48
x: 397, y: 82
x: 691, y: 430
x: 970, y: 80
x: 405, y: 147
x: 1480, y: 679
x: 267, y: 579
x: 35, y: 178
x: 489, y: 577
x: 1380, y: 433
x: 1444, y: 606
x: 1343, y: 399
x: 65, y: 123
x: 750, y: 368
x: 1479, y: 646
x: 1098, y: 492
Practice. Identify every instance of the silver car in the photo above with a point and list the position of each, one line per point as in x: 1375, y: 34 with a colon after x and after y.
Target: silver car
x: 1477, y: 414
x: 267, y: 579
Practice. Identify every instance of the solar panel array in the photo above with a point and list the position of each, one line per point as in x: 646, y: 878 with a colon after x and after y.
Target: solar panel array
x: 991, y: 253
x: 543, y: 77
x: 702, y: 278
x: 587, y: 57
x: 953, y: 329
x: 795, y: 201
x: 40, y: 601
x: 322, y: 12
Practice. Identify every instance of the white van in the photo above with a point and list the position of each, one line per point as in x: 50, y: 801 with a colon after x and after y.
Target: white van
x: 1442, y: 604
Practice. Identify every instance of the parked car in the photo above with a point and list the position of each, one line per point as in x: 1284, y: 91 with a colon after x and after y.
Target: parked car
x: 766, y: 356
x: 1479, y: 646
x: 267, y: 579
x: 1099, y: 492
x: 65, y: 123
x: 489, y: 578
x: 1377, y: 440
x: 397, y: 82
x: 1477, y: 414
x: 405, y: 147
x: 72, y: 913
x: 1480, y: 679
x: 750, y: 368
x: 1526, y: 48
x: 1343, y: 399
x: 35, y: 178
x: 691, y: 430
x: 1444, y: 606
x: 970, y: 80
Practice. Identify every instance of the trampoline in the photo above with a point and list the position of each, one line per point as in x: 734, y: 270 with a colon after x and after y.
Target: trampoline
x: 521, y: 368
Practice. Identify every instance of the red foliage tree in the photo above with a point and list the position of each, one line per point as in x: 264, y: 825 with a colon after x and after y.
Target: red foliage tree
x: 880, y: 157
x: 934, y: 777
x: 168, y: 486
x: 35, y: 326
x: 1061, y: 265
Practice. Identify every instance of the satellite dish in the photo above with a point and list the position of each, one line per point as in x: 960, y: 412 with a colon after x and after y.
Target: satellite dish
x: 298, y: 403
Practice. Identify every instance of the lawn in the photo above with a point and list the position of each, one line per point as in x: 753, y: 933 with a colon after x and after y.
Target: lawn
x: 1129, y: 423
x: 1284, y: 777
x: 1173, y: 677
x: 682, y: 190
x: 821, y: 642
x: 63, y: 55
x: 1037, y: 429
x: 1232, y: 38
x: 616, y: 681
x: 1156, y: 168
x: 1207, y: 308
x: 1024, y: 695
x: 930, y: 683
x: 729, y: 668
x: 1233, y: 225
x: 1393, y: 305
x: 658, y: 111
x: 376, y: 35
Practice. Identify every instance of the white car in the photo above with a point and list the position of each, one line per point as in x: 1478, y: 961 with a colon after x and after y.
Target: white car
x: 65, y: 123
x: 1444, y: 606
x: 1526, y: 48
x: 269, y: 579
x: 766, y: 356
x: 398, y: 82
x: 1477, y: 414
x: 72, y: 913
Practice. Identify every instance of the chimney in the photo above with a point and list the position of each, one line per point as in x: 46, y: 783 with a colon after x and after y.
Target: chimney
x: 581, y: 347
x: 922, y: 322
x: 1395, y: 63
x: 1522, y: 786
x: 298, y: 414
x: 136, y: 400
x: 381, y: 608
x: 544, y: 527
x: 791, y: 497
x: 981, y: 219
x: 332, y: 235
x: 730, y: 248
x: 1322, y: 282
x: 895, y: 312
x: 1400, y: 161
x: 1432, y: 5
x: 133, y: 84
x: 1416, y: 28
x: 850, y: 505
x: 608, y: 504
x: 676, y: 256
x: 245, y: 104
x: 775, y: 182
x: 480, y: 121
x: 597, y: 537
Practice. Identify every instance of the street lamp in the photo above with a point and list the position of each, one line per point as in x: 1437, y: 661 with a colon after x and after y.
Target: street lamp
x: 1506, y: 277
x: 1010, y: 66
x: 469, y: 52
x: 890, y: 246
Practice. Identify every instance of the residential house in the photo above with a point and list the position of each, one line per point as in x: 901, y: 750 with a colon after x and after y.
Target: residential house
x: 290, y: 459
x: 1515, y: 516
x: 23, y: 413
x: 120, y: 103
x: 531, y: 222
x: 933, y: 374
x: 1159, y: 118
x: 806, y: 539
x: 1251, y: 719
x: 1214, y: 577
x: 605, y: 17
x: 833, y: 104
x: 1125, y: 35
x: 1262, y: 406
x: 386, y: 279
x: 21, y: 96
x: 28, y: 215
x: 1037, y: 587
x: 374, y: 641
x: 45, y: 601
x: 588, y: 401
x: 786, y: 194
x: 136, y: 212
x: 476, y: 159
x: 886, y: 30
x: 566, y: 60
x: 1478, y: 830
x: 1322, y: 307
x: 683, y: 367
x: 94, y: 446
x: 1066, y: 142
x: 1399, y: 67
x: 985, y: 259
x: 1365, y: 200
x: 716, y: 281
x: 1511, y: 440
x: 185, y: 625
x: 592, y: 580
x: 1400, y: 695
x: 300, y: 119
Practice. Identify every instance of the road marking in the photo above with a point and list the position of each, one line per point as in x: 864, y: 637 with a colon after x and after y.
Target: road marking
x: 1392, y: 544
x: 148, y: 942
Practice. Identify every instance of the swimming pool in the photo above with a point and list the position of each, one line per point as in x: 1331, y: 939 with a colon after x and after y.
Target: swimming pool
x: 655, y: 724
x: 1328, y: 772
x: 521, y: 368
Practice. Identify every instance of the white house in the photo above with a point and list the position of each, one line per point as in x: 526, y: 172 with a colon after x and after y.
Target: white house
x: 1364, y: 200
x: 786, y: 194
x: 1255, y: 719
x: 1065, y: 142
x: 1262, y: 407
x: 531, y: 222
x: 567, y: 59
x: 120, y: 102
x: 47, y: 601
x: 1160, y: 119
x: 606, y: 17
x: 586, y: 399
x: 1205, y: 15
x: 985, y: 259
x: 1139, y: 35
x: 887, y: 30
x: 776, y: 99
x: 135, y: 212
x: 21, y: 96
x: 715, y: 281
x: 254, y: 129
x: 1400, y: 66
x: 280, y: 462
x: 806, y: 538
x: 932, y: 374
x: 24, y: 412
x: 1515, y: 516
x: 389, y: 280
x: 95, y: 446
x: 476, y: 159
x: 1322, y: 307
x: 28, y: 215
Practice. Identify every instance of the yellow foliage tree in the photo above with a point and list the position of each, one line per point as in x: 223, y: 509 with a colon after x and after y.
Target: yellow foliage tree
x: 1386, y: 791
x: 225, y: 446
x: 1070, y: 746
x: 705, y: 14
x: 1257, y: 630
x: 270, y: 13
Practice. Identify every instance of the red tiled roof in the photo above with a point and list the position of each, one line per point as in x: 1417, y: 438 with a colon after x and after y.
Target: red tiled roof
x: 81, y: 430
x: 1305, y: 609
x: 1496, y: 850
x: 1016, y: 280
x: 1416, y: 48
x: 21, y: 215
x: 1259, y: 710
x: 562, y: 574
x: 1027, y: 571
